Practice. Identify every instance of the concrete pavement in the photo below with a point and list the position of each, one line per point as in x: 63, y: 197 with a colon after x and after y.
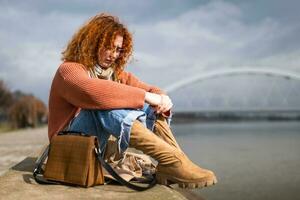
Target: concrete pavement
x: 18, y: 151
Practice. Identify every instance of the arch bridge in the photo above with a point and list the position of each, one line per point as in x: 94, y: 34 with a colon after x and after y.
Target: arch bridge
x: 232, y: 71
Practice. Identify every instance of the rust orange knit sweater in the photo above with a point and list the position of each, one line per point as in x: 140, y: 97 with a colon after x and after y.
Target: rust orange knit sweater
x: 72, y: 89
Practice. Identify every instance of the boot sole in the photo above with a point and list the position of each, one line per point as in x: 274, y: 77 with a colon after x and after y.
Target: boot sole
x: 166, y: 180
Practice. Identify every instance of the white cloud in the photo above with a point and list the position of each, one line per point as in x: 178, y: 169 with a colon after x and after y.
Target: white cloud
x: 31, y: 45
x: 208, y: 37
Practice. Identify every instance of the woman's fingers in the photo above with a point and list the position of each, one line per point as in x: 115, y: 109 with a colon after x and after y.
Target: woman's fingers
x: 162, y: 110
x: 165, y: 106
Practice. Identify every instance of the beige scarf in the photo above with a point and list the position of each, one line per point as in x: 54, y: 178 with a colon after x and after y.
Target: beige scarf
x: 98, y: 72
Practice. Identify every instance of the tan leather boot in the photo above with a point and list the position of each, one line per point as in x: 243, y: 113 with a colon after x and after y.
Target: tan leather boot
x: 162, y: 129
x: 174, y: 167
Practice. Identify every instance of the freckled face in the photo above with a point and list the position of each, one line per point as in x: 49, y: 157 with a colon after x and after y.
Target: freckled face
x: 106, y: 57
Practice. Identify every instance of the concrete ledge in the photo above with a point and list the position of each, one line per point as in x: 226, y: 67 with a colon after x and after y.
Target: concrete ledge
x: 18, y: 183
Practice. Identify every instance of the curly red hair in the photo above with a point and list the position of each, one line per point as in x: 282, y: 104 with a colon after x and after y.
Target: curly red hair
x: 97, y: 34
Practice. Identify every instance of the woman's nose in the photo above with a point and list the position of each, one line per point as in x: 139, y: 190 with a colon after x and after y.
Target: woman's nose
x: 114, y: 54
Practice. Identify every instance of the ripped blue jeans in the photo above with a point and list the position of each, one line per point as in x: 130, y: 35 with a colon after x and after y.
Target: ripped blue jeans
x: 116, y: 122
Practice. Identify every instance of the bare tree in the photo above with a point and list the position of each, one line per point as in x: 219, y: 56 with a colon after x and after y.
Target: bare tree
x: 28, y: 111
x: 5, y: 96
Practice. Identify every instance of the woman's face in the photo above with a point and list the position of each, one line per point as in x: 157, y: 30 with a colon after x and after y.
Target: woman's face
x: 106, y: 57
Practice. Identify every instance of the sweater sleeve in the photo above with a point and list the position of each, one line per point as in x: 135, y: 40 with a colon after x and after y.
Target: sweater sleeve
x: 135, y: 82
x: 77, y: 88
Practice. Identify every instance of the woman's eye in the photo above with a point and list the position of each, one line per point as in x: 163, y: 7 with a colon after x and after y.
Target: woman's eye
x: 120, y: 50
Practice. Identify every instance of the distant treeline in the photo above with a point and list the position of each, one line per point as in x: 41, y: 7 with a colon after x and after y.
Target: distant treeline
x: 21, y: 110
x: 250, y: 115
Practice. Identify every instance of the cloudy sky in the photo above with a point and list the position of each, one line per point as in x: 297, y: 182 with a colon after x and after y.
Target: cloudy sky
x: 173, y: 39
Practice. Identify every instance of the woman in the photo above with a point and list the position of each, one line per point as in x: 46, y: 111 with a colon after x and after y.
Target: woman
x: 92, y: 93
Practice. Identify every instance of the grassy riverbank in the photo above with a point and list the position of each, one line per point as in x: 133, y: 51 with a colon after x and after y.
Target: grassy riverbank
x: 5, y: 127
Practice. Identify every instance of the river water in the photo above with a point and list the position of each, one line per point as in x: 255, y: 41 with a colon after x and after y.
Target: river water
x: 252, y: 160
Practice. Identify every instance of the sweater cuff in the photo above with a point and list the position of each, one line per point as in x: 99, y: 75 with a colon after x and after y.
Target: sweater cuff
x: 139, y: 98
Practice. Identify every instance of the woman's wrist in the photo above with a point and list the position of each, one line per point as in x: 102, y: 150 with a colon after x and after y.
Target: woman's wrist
x: 161, y: 100
x: 153, y: 99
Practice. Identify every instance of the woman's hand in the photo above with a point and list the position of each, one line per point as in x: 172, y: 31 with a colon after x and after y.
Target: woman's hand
x: 162, y: 103
x: 165, y: 105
